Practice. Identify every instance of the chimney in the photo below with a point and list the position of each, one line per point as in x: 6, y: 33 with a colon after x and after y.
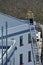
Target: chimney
x: 30, y: 17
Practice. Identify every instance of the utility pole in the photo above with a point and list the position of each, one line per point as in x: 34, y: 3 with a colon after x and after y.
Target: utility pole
x: 2, y: 44
x: 6, y: 43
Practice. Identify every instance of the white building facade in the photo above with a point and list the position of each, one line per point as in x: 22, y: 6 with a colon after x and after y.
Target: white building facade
x: 18, y: 31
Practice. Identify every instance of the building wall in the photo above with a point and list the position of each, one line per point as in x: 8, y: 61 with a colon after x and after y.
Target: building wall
x: 21, y: 49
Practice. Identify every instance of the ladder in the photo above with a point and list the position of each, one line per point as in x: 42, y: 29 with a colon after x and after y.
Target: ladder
x: 35, y: 52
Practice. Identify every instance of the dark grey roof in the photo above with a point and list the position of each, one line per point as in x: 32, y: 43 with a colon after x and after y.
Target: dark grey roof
x: 12, y: 21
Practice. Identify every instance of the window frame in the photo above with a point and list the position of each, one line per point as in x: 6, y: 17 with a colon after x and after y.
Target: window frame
x: 29, y: 56
x: 37, y: 57
x: 31, y: 21
x: 21, y: 40
x: 29, y: 38
x: 21, y: 59
x: 32, y: 28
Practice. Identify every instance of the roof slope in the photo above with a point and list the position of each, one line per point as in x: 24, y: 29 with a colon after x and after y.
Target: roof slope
x: 12, y: 21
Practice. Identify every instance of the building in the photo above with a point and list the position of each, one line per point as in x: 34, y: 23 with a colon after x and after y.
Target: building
x: 39, y: 38
x: 42, y: 45
x: 20, y: 42
x: 39, y: 42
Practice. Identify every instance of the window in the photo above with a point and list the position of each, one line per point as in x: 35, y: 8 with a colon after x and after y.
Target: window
x: 29, y: 56
x: 21, y: 40
x: 29, y: 38
x: 37, y: 57
x: 37, y: 39
x: 31, y: 21
x: 21, y: 59
x: 32, y: 28
x: 34, y: 40
x: 41, y: 35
